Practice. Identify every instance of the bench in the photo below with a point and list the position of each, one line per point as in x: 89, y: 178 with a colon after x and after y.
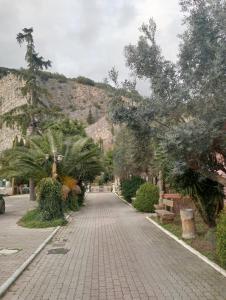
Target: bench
x: 165, y: 210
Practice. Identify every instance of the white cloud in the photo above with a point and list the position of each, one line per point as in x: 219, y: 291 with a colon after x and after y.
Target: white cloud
x: 85, y: 37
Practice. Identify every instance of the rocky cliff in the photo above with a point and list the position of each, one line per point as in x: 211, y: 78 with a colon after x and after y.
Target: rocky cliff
x: 76, y: 98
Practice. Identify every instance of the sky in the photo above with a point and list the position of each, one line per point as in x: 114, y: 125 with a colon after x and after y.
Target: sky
x: 86, y: 37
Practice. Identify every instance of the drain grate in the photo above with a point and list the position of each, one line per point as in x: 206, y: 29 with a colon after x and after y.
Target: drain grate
x: 8, y: 251
x: 58, y: 251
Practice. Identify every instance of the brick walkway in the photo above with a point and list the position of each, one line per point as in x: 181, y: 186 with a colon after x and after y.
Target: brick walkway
x: 13, y: 236
x: 115, y: 253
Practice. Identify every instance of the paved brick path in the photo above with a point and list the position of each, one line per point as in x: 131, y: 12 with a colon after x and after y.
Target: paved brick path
x: 115, y: 253
x: 16, y: 237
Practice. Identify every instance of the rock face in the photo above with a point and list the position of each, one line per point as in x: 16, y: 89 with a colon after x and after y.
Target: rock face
x: 10, y: 97
x: 76, y: 100
x: 101, y: 132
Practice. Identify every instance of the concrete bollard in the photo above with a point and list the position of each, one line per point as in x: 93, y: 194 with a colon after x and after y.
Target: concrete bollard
x: 188, y: 223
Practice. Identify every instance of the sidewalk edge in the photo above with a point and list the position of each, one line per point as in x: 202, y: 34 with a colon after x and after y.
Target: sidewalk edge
x: 121, y: 198
x: 189, y: 248
x: 5, y: 286
x: 182, y: 243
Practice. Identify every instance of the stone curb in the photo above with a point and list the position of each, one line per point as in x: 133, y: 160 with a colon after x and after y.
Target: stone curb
x: 182, y: 243
x: 121, y: 198
x: 5, y: 286
x: 189, y: 248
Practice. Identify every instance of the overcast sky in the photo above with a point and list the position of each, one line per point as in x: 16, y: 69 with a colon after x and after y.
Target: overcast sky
x: 85, y: 37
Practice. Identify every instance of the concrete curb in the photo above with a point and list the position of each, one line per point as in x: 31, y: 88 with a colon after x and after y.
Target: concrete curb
x: 5, y: 286
x: 182, y: 243
x: 189, y: 248
x: 121, y: 198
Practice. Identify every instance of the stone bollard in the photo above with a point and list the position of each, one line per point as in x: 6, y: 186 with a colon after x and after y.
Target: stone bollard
x: 188, y: 223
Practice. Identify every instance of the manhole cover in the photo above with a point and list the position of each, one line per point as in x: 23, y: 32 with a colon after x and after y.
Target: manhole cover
x: 58, y: 251
x: 8, y: 251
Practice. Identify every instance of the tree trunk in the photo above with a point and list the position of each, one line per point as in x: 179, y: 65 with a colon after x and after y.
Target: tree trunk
x: 161, y: 186
x: 13, y: 186
x: 161, y: 182
x: 32, y: 189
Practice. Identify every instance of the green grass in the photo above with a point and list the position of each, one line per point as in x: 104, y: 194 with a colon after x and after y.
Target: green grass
x: 33, y: 219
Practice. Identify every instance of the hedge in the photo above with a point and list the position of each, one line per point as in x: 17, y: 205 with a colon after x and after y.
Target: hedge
x: 221, y: 238
x: 146, y: 196
x: 50, y: 199
x: 130, y: 186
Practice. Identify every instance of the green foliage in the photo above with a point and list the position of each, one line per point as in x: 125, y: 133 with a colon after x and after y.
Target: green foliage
x: 85, y: 81
x: 185, y: 115
x: 221, y: 238
x: 50, y: 199
x: 34, y: 219
x: 30, y: 114
x: 113, y: 75
x: 20, y: 117
x: 146, y: 196
x: 104, y: 86
x: 2, y: 204
x: 207, y: 195
x: 81, y: 157
x: 81, y: 196
x: 130, y: 186
x: 131, y: 154
x: 72, y: 202
x: 108, y: 167
x: 45, y: 76
x: 6, y: 71
x: 69, y: 128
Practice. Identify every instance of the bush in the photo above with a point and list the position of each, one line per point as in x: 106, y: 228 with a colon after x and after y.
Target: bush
x: 34, y: 219
x: 72, y: 201
x: 81, y: 196
x: 221, y: 238
x: 85, y: 80
x: 50, y: 199
x: 147, y: 195
x: 130, y: 186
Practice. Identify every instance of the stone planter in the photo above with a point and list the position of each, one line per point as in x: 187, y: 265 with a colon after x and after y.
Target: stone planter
x: 188, y: 223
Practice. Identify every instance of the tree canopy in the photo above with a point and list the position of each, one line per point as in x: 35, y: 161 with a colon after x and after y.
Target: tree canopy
x: 185, y: 117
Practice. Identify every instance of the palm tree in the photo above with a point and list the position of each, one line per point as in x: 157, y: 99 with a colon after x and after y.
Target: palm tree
x: 81, y: 158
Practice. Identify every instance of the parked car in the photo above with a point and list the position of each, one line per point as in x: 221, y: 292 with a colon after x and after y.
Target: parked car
x: 2, y: 204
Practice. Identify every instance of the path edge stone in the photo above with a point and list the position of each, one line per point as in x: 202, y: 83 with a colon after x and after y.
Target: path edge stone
x: 189, y: 248
x: 182, y: 243
x: 121, y: 198
x: 6, y: 285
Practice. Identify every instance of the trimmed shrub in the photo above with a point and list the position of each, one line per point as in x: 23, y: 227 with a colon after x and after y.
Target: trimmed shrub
x: 146, y: 196
x: 81, y: 197
x: 85, y: 80
x: 130, y: 186
x: 50, y: 199
x: 72, y: 201
x: 221, y: 238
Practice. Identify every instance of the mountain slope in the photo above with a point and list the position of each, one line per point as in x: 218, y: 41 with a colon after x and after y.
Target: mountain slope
x: 76, y: 98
